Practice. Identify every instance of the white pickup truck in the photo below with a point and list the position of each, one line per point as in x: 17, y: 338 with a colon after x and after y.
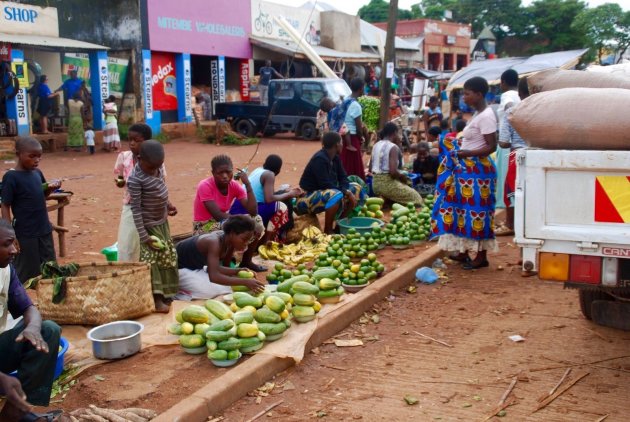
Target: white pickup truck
x: 572, y: 220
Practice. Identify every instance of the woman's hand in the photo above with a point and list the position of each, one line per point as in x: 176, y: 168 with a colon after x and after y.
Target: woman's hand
x: 172, y: 209
x: 295, y: 193
x: 254, y: 285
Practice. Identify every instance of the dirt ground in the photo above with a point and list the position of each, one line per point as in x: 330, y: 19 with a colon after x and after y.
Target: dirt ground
x: 474, y: 312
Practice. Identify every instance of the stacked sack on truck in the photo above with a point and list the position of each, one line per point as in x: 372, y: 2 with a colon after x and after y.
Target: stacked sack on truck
x: 571, y: 109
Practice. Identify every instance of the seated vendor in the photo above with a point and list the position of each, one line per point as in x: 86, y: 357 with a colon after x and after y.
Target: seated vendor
x: 215, y: 197
x: 387, y: 180
x: 426, y: 166
x: 274, y: 207
x: 326, y: 185
x: 30, y: 347
x: 210, y: 251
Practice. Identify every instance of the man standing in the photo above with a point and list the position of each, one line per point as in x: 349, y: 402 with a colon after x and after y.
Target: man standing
x: 266, y: 74
x: 30, y: 347
x: 71, y: 86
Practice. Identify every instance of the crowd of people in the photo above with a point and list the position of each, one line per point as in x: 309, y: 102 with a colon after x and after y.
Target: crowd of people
x: 235, y: 212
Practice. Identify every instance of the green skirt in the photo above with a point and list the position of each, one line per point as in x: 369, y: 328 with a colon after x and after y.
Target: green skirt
x: 164, y: 274
x: 394, y: 190
x: 75, y: 131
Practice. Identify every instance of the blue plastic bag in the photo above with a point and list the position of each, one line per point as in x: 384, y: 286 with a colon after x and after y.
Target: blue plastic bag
x: 426, y: 275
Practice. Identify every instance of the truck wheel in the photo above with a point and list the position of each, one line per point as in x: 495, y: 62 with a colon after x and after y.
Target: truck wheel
x: 308, y: 131
x: 245, y: 128
x: 587, y: 297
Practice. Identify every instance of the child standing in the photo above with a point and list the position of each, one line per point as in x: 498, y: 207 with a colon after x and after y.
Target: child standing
x: 150, y: 208
x: 128, y: 240
x: 24, y: 192
x: 89, y: 139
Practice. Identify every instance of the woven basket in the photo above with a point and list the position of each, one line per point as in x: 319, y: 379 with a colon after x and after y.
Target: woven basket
x: 100, y: 293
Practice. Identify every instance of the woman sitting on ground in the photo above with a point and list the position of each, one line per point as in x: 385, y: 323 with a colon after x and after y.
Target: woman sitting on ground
x: 387, y: 180
x: 216, y: 195
x: 210, y: 251
x: 272, y: 207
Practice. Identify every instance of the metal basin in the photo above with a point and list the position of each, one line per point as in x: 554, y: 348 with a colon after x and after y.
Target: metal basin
x: 116, y: 340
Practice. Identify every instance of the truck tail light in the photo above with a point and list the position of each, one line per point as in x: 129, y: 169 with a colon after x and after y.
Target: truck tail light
x: 610, y: 271
x: 585, y: 269
x: 554, y: 266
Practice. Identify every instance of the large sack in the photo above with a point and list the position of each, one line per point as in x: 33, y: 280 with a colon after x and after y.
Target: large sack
x: 551, y: 79
x: 575, y: 118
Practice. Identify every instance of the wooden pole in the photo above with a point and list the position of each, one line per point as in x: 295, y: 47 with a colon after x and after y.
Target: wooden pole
x: 386, y: 83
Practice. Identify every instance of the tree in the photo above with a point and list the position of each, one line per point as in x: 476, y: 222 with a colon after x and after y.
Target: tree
x: 551, y: 25
x: 606, y: 27
x: 378, y: 11
x: 505, y: 17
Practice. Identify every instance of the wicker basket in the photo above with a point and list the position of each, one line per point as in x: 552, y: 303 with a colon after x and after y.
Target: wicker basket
x: 100, y: 293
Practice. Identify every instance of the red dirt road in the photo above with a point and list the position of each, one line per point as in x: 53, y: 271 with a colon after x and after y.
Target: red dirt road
x: 475, y: 312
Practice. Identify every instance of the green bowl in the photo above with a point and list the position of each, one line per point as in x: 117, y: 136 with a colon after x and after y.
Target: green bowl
x: 360, y: 224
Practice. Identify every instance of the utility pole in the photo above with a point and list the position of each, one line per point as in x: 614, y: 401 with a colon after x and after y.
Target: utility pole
x: 386, y: 82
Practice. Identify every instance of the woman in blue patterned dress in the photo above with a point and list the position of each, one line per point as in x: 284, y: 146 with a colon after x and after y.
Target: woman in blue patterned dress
x: 463, y: 213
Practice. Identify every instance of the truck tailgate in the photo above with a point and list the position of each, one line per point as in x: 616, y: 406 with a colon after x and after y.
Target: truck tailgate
x: 581, y: 196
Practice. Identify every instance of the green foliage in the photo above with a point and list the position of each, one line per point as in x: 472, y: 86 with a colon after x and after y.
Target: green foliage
x: 162, y: 138
x: 552, y: 25
x: 606, y: 27
x: 230, y: 139
x: 371, y: 112
x: 378, y: 11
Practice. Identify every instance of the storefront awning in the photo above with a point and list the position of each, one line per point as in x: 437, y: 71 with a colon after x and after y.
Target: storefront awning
x: 328, y: 54
x: 53, y: 42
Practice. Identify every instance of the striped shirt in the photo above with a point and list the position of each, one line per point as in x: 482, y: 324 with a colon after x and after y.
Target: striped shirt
x: 149, y: 200
x: 508, y: 134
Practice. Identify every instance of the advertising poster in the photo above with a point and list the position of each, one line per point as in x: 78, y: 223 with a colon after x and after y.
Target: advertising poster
x: 244, y: 78
x: 117, y: 69
x: 217, y: 76
x: 163, y: 81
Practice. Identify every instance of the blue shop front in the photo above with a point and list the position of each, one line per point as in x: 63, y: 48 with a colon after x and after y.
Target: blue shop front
x: 31, y: 53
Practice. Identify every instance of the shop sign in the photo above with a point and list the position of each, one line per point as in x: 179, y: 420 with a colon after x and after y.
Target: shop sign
x: 103, y: 79
x: 163, y: 81
x: 5, y: 51
x: 304, y: 21
x: 19, y: 18
x: 148, y: 89
x: 208, y: 28
x: 20, y: 101
x: 244, y: 65
x: 217, y: 78
x: 187, y: 88
x: 116, y: 68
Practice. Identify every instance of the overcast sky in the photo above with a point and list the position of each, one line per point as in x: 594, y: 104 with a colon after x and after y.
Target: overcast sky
x: 352, y: 6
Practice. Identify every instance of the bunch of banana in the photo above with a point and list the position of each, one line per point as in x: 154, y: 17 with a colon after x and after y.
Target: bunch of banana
x: 313, y: 243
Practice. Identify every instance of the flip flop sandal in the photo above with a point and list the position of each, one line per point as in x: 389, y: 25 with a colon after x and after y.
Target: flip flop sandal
x: 504, y: 231
x: 39, y: 417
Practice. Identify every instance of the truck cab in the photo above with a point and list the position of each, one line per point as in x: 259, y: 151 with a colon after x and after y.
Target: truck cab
x: 293, y: 106
x: 572, y: 221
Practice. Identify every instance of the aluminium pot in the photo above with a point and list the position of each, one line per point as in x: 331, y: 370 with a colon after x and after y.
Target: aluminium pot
x: 116, y: 340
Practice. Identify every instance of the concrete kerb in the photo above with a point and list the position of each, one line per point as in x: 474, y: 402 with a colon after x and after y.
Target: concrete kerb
x: 224, y: 390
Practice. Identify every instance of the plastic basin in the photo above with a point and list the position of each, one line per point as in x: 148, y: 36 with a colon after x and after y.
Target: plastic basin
x: 360, y: 224
x: 63, y: 343
x: 116, y: 340
x: 111, y: 253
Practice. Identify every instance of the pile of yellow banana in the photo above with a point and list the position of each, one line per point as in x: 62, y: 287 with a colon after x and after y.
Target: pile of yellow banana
x: 308, y: 249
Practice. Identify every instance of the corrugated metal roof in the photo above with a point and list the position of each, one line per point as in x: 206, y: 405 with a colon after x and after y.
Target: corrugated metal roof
x: 369, y: 33
x: 291, y: 48
x: 50, y: 42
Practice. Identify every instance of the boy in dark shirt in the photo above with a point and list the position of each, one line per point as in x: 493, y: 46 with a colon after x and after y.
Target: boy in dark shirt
x: 426, y: 166
x: 24, y: 192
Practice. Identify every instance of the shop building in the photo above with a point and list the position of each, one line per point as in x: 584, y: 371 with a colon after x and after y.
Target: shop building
x: 203, y: 46
x: 31, y: 45
x: 445, y: 45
